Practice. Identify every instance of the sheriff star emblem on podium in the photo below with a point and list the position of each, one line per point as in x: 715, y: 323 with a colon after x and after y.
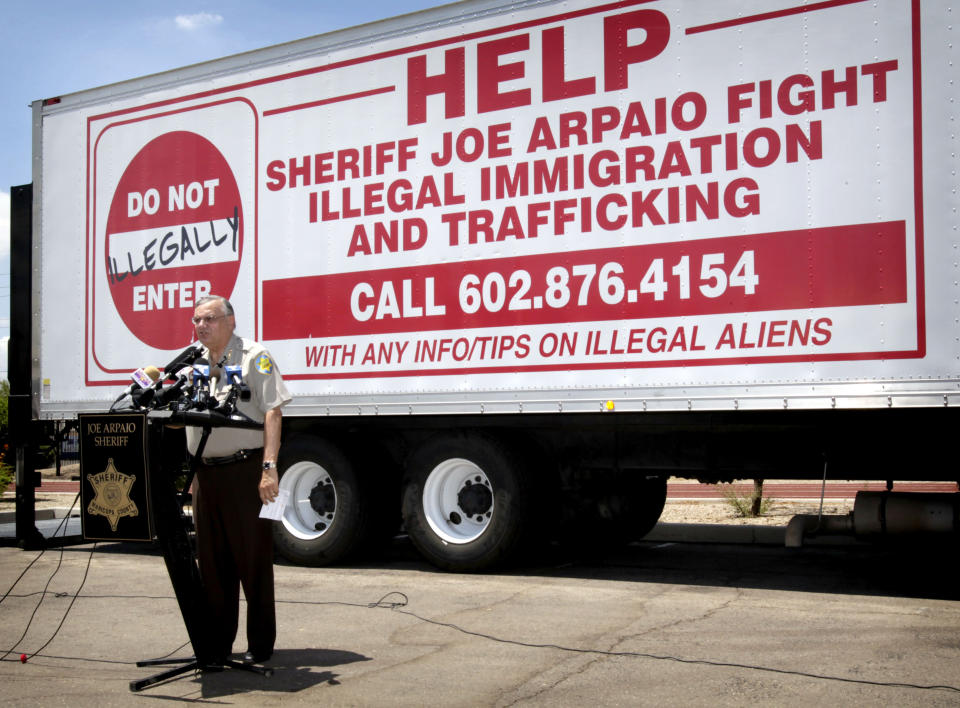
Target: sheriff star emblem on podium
x: 112, y: 495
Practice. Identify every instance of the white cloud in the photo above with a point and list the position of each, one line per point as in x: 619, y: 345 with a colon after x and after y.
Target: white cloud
x: 198, y: 21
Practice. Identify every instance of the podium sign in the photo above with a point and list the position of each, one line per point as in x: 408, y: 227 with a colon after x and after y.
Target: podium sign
x: 114, y: 477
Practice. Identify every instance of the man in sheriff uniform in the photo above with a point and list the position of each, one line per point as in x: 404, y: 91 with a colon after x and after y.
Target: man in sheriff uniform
x: 237, y: 472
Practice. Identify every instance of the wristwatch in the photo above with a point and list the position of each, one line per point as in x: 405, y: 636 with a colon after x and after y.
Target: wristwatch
x: 269, y: 466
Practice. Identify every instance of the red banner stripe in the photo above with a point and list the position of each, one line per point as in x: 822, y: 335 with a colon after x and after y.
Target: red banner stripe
x: 843, y: 266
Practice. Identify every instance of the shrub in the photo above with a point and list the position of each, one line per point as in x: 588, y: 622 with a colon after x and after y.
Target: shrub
x: 6, y: 471
x: 750, y: 505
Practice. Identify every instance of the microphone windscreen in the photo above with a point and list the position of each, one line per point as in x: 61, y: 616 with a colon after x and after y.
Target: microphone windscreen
x: 140, y: 378
x: 153, y: 372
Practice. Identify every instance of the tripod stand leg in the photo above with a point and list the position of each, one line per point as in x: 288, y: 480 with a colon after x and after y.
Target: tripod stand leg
x: 161, y: 662
x: 191, y: 665
x: 141, y: 684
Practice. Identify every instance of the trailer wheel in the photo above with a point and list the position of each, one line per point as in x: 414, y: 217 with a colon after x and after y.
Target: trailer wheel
x: 646, y: 502
x: 327, y: 518
x: 621, y: 510
x: 463, y: 502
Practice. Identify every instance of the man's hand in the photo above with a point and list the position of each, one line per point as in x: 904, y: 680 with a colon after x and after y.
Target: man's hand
x: 269, y: 486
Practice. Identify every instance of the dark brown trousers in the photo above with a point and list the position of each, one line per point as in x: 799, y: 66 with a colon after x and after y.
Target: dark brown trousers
x: 234, y: 549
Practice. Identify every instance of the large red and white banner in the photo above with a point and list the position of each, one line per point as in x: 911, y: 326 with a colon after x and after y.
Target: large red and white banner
x: 643, y: 190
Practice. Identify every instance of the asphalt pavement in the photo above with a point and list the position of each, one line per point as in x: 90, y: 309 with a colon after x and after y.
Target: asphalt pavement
x: 656, y: 623
x: 695, y: 615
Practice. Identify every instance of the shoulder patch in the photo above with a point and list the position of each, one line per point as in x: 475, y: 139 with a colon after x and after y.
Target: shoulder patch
x: 264, y: 364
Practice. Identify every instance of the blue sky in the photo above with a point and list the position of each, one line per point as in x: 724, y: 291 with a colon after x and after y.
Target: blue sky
x: 55, y: 47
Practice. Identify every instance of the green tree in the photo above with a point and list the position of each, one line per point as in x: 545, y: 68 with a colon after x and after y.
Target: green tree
x: 4, y: 410
x: 6, y: 471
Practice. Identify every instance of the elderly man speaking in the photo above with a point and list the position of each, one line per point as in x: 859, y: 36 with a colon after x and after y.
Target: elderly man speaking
x: 238, y: 471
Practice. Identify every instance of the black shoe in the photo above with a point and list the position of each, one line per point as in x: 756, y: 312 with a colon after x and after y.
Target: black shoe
x: 251, y: 657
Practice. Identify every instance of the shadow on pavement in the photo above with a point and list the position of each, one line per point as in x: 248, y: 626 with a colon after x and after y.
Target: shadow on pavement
x: 293, y: 670
x: 920, y: 569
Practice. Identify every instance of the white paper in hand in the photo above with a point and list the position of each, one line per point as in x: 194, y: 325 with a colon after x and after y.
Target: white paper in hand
x: 274, y: 510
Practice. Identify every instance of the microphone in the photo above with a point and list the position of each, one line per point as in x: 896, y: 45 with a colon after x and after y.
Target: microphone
x: 145, y: 398
x: 153, y: 396
x: 238, y: 390
x: 173, y: 391
x: 184, y: 358
x: 143, y: 378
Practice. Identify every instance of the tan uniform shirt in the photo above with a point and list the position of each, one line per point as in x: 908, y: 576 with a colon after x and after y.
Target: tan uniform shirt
x: 267, y: 391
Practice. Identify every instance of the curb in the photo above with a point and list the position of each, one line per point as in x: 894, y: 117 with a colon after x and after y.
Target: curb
x: 723, y: 533
x: 10, y: 517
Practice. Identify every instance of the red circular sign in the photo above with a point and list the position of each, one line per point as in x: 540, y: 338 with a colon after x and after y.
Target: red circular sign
x: 174, y: 234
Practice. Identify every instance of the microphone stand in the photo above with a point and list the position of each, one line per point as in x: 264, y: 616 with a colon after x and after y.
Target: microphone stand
x: 181, y: 562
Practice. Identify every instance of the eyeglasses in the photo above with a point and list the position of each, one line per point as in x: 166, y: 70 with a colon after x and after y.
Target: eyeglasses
x: 206, y: 320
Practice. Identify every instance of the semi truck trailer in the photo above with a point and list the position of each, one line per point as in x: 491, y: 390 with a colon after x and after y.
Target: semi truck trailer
x: 522, y: 262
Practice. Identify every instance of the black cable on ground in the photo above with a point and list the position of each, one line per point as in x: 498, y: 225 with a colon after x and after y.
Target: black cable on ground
x: 401, y: 601
x: 43, y: 594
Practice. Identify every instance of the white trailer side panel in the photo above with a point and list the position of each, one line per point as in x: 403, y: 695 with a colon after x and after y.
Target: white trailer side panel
x: 532, y: 206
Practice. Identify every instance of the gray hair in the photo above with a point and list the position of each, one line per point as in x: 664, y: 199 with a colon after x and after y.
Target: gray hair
x: 224, y: 303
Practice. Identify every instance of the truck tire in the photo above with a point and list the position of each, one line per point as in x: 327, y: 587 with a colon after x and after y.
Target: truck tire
x: 646, y: 502
x: 464, y: 502
x: 328, y: 517
x: 622, y: 510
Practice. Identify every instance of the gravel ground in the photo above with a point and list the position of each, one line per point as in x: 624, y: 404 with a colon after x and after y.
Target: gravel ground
x: 779, y: 513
